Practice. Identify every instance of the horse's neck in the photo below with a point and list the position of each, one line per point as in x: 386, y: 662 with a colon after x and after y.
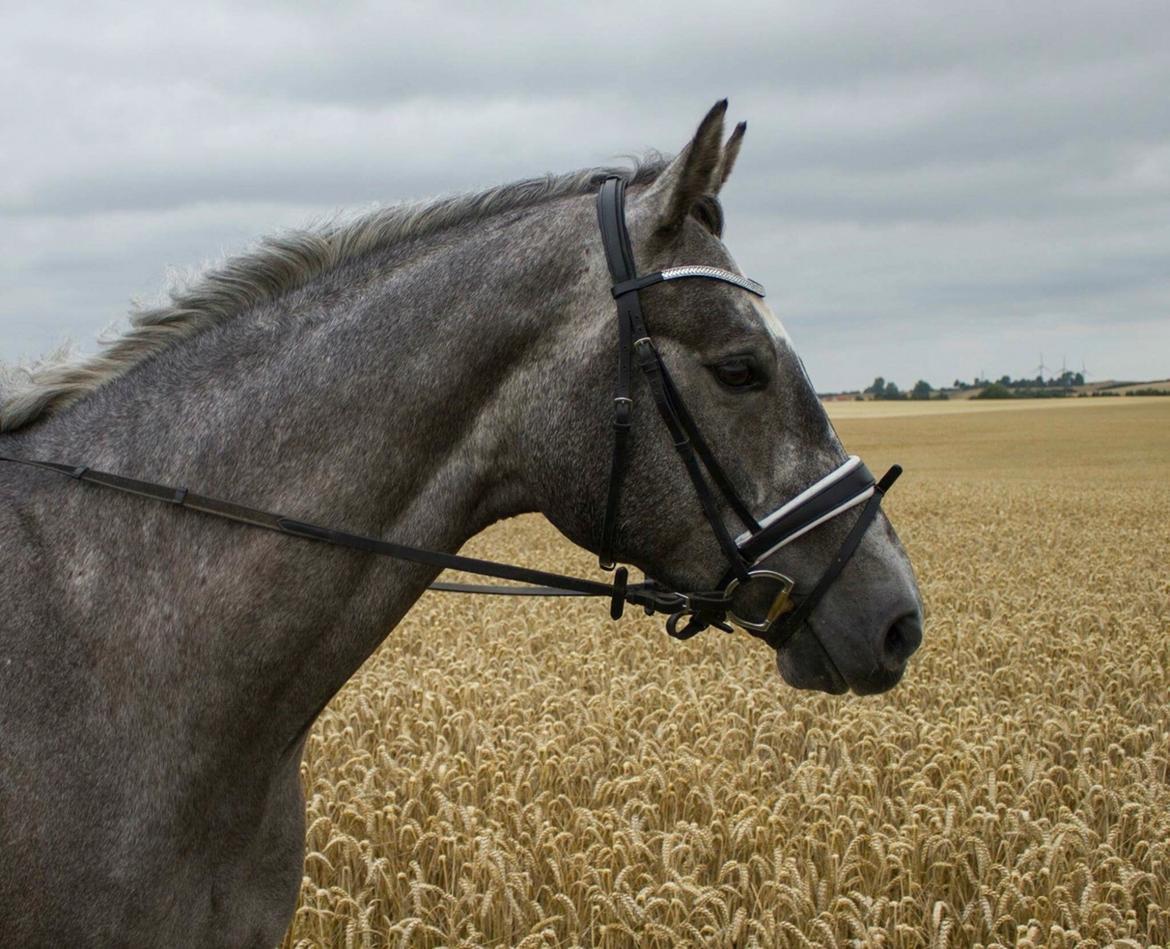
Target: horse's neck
x: 377, y: 405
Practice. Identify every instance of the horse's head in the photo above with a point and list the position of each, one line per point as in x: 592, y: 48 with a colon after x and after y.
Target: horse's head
x: 735, y: 370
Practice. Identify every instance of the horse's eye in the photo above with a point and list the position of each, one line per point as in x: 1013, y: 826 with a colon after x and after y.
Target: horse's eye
x: 736, y: 374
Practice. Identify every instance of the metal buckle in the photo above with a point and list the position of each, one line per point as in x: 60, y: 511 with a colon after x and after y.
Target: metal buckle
x: 780, y: 605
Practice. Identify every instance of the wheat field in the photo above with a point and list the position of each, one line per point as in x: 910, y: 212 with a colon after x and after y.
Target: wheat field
x: 518, y: 773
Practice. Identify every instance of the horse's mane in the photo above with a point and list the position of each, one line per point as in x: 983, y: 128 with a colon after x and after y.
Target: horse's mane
x: 275, y: 266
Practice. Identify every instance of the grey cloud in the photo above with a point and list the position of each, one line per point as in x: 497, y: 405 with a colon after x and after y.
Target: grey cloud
x: 919, y: 166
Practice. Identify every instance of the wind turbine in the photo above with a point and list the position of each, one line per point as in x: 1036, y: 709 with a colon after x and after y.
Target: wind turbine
x: 1041, y: 369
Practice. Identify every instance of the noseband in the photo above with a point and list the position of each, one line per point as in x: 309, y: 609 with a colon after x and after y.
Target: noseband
x: 778, y: 612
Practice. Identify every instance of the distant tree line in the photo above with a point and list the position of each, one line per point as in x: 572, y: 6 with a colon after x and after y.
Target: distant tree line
x: 1066, y: 380
x: 881, y: 389
x: 1005, y: 387
x: 997, y: 390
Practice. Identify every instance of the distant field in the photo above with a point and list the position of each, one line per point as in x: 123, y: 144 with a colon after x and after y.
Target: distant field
x: 1163, y: 385
x: 1108, y: 445
x: 524, y: 774
x: 901, y: 409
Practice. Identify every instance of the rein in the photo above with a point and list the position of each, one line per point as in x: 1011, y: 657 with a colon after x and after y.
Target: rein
x: 850, y: 485
x: 646, y: 595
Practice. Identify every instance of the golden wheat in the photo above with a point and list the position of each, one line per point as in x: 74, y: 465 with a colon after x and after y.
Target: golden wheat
x: 508, y: 772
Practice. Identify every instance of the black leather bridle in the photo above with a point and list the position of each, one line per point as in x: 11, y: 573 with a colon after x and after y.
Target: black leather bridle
x: 847, y: 486
x: 737, y: 599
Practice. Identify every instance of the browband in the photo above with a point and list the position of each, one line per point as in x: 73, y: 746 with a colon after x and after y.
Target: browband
x: 690, y: 270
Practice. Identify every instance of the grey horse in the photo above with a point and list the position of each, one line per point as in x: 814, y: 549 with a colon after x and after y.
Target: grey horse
x: 417, y: 373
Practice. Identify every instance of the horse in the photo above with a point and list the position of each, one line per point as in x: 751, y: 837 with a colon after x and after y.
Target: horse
x: 416, y: 373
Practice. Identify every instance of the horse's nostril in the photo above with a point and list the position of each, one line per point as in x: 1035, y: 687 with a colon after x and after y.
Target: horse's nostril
x: 901, y: 639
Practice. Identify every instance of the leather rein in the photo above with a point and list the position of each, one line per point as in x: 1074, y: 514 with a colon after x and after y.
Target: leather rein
x: 849, y: 485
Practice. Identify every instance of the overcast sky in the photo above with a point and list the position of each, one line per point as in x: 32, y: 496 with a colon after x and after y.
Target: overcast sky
x: 926, y: 189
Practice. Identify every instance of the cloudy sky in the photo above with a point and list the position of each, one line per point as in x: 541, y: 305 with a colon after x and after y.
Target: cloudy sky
x: 928, y: 190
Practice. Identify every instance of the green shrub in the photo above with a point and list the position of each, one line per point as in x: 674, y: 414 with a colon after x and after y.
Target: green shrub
x: 996, y: 390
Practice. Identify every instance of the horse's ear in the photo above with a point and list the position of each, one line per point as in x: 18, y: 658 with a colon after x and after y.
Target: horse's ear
x: 730, y: 154
x: 695, y: 172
